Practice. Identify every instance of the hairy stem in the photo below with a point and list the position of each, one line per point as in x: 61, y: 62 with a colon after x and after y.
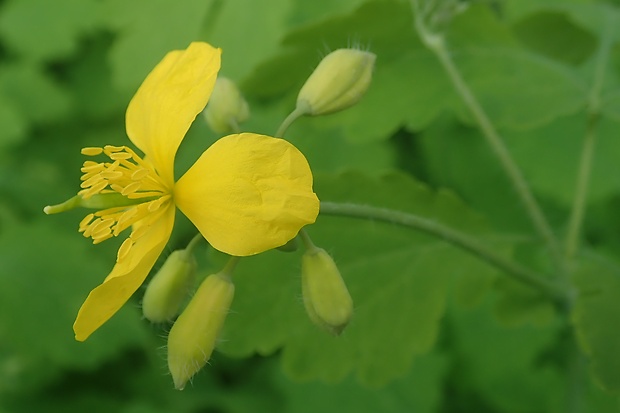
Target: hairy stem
x: 587, y: 153
x: 452, y: 236
x: 292, y: 117
x: 583, y: 178
x: 194, y: 242
x: 435, y: 42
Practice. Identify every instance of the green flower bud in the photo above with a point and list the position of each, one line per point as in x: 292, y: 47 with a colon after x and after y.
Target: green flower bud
x: 169, y: 287
x: 338, y: 82
x: 325, y: 294
x: 193, y: 336
x: 226, y: 108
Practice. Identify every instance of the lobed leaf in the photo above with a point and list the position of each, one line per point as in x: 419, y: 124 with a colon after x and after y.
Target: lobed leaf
x: 398, y: 278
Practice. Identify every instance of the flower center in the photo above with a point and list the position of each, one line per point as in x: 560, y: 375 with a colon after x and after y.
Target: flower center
x: 129, y: 175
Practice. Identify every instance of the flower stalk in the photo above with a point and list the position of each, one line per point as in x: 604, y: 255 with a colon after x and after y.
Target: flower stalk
x: 556, y: 291
x: 435, y: 42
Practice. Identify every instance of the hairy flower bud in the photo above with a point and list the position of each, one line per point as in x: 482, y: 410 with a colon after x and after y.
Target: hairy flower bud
x: 325, y: 294
x: 338, y: 82
x: 194, y: 334
x: 227, y: 108
x: 169, y: 287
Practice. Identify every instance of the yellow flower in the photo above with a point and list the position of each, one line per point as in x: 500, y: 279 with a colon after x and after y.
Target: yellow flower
x: 247, y: 193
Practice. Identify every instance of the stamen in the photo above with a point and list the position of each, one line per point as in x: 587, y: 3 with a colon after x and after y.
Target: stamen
x: 154, y: 205
x: 120, y: 155
x: 95, y: 167
x: 99, y: 238
x: 111, y: 212
x: 94, y: 190
x: 139, y: 232
x: 131, y: 188
x: 125, y: 220
x: 91, y: 181
x: 87, y: 176
x: 89, y: 230
x: 129, y: 175
x: 139, y: 174
x: 111, y: 175
x: 137, y: 195
x: 124, y: 249
x: 116, y: 188
x: 91, y: 151
x: 84, y: 223
x: 104, y: 224
x: 111, y: 149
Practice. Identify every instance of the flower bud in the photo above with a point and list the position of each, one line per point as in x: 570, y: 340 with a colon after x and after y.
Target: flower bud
x: 325, y: 294
x: 169, y: 287
x: 226, y: 108
x: 338, y: 82
x: 193, y: 336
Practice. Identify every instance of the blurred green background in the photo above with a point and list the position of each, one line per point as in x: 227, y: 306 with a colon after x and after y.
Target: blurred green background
x: 435, y: 330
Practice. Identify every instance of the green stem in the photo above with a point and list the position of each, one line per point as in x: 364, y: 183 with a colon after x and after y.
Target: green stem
x: 435, y: 42
x: 589, y: 142
x: 452, y: 236
x: 292, y: 117
x: 581, y: 191
x: 234, y: 126
x: 192, y: 244
x: 305, y: 238
x: 576, y: 378
x: 230, y: 265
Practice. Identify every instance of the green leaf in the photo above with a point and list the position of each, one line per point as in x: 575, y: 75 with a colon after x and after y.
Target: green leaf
x: 34, y: 93
x: 409, y: 86
x: 45, y: 274
x: 148, y: 30
x: 598, y: 281
x: 518, y: 304
x: 44, y: 30
x: 398, y: 279
x: 247, y: 32
x: 552, y: 34
x: 419, y: 391
x: 506, y: 367
x: 555, y: 176
x: 13, y: 125
x: 456, y: 156
x: 90, y: 80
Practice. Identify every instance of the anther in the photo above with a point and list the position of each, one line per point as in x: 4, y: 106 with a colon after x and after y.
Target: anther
x: 139, y: 232
x: 99, y: 238
x: 92, y: 167
x: 91, y: 151
x: 124, y: 249
x: 84, y: 223
x: 131, y: 188
x: 111, y: 174
x: 104, y: 224
x: 125, y: 220
x: 91, y: 181
x: 95, y: 189
x: 139, y: 174
x: 112, y: 148
x: 120, y: 155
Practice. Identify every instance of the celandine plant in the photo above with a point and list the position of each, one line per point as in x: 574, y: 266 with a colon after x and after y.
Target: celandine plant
x: 246, y: 194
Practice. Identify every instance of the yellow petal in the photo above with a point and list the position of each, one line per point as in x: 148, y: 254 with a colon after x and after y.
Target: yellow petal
x: 125, y: 278
x: 168, y: 101
x: 248, y: 193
